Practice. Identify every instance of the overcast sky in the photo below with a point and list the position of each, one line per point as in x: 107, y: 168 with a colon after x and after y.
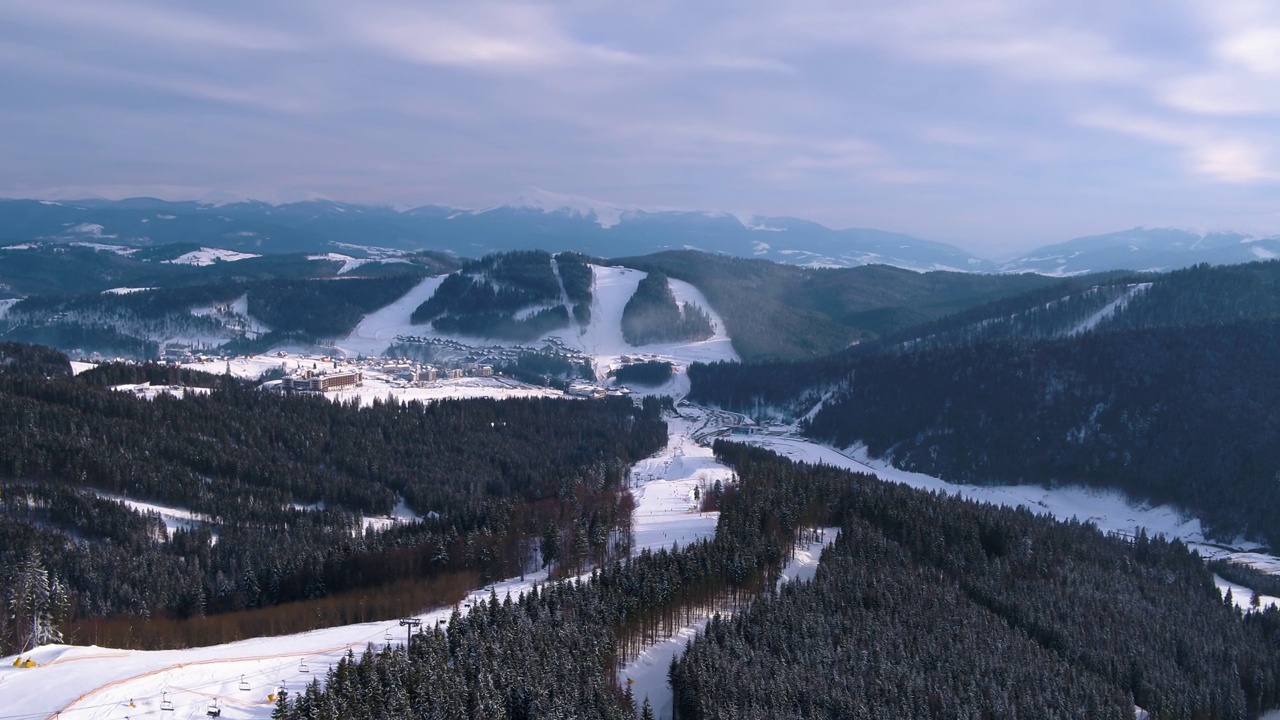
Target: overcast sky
x: 994, y: 125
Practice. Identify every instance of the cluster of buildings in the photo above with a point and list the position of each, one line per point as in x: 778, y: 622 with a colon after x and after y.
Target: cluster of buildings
x: 322, y: 382
x: 349, y: 375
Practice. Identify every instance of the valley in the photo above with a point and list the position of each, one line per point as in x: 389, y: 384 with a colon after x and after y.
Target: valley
x: 388, y: 351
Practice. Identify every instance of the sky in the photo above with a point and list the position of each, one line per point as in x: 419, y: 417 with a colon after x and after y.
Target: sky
x: 991, y: 124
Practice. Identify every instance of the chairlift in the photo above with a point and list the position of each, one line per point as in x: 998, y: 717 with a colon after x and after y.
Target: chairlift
x: 244, y: 684
x: 213, y: 710
x: 165, y: 703
x: 302, y: 667
x: 388, y: 635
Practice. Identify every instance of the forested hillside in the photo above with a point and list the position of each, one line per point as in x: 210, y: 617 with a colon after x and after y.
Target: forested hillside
x: 777, y: 311
x: 271, y: 312
x: 933, y: 607
x: 927, y: 606
x: 281, y: 482
x: 62, y: 268
x: 516, y: 296
x: 652, y: 315
x: 1176, y: 414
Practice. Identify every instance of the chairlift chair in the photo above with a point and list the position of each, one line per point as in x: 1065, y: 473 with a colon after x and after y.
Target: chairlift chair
x: 388, y: 635
x: 302, y: 667
x: 213, y: 710
x: 244, y: 684
x: 165, y: 703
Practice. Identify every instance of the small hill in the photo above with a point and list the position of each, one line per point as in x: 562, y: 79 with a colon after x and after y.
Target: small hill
x: 517, y: 296
x: 786, y: 312
x: 652, y: 315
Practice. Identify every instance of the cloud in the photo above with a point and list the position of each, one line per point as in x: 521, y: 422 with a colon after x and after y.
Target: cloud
x: 513, y: 38
x: 156, y: 23
x: 1243, y: 73
x: 1219, y: 157
x: 991, y: 120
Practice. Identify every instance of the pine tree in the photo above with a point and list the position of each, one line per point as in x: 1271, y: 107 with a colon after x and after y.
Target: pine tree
x: 36, y: 604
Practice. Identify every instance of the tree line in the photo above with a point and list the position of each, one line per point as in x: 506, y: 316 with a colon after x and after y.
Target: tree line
x: 926, y: 606
x: 282, y: 483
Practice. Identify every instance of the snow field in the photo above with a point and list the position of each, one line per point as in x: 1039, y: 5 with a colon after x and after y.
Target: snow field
x: 207, y: 256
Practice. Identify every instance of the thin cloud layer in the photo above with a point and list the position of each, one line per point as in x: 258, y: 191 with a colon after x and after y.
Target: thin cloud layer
x: 993, y: 124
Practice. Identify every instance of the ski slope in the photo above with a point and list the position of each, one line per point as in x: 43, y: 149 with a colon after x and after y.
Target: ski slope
x: 601, y: 338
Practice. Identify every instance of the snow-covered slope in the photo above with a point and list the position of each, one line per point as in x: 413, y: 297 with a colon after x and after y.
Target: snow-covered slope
x: 601, y: 338
x: 1145, y: 249
x: 206, y: 256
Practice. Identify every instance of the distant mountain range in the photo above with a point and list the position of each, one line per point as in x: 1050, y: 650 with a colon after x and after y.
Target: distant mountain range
x: 557, y: 222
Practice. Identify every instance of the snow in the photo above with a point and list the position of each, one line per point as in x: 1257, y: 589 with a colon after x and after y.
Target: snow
x: 22, y: 246
x: 125, y: 290
x: 348, y: 263
x: 647, y: 673
x: 103, y: 682
x: 174, y: 518
x: 1242, y: 596
x: 79, y: 367
x: 1263, y: 253
x: 207, y: 256
x: 606, y: 214
x: 601, y: 338
x: 6, y: 304
x: 149, y: 391
x: 1111, y: 511
x: 103, y: 247
x: 379, y: 329
x: 91, y: 229
x: 1092, y: 321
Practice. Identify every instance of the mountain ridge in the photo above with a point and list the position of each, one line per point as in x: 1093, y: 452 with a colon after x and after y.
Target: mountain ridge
x: 540, y: 219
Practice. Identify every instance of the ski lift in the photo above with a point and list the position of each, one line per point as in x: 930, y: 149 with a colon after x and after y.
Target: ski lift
x: 165, y: 703
x: 213, y: 710
x: 388, y: 635
x: 244, y: 684
x: 302, y: 667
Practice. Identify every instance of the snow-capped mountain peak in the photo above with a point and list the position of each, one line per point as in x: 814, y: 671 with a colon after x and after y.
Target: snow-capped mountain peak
x: 606, y: 214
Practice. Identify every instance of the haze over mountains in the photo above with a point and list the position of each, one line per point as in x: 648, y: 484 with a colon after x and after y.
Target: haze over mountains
x: 540, y: 219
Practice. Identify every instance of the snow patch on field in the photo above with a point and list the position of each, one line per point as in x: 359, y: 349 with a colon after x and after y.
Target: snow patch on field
x: 125, y: 290
x: 1110, y: 510
x: 1110, y: 309
x: 174, y: 518
x: 207, y: 256
x: 348, y: 263
x: 150, y: 392
x: 102, y: 247
x: 1242, y: 597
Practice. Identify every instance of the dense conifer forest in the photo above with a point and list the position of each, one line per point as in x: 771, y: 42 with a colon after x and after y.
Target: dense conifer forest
x: 281, y: 482
x: 1165, y: 395
x: 653, y: 315
x: 1175, y: 414
x: 927, y: 606
x: 650, y: 373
